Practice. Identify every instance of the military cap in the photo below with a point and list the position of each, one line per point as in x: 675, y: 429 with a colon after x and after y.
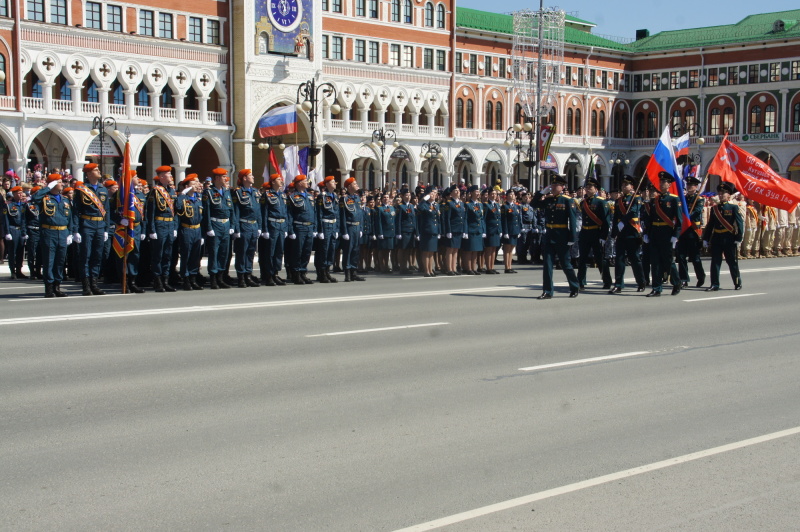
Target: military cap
x: 349, y: 180
x: 35, y: 189
x: 627, y: 178
x: 473, y: 188
x: 109, y: 183
x: 559, y: 179
x: 300, y: 178
x: 404, y: 190
x: 54, y: 177
x: 591, y: 182
x: 219, y: 171
x: 725, y: 186
x: 16, y: 189
x: 692, y: 180
x: 191, y: 177
x: 666, y: 176
x: 68, y: 189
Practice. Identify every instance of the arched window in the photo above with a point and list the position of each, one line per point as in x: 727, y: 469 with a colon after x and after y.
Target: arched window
x: 167, y: 101
x: 638, y: 125
x: 601, y: 125
x: 263, y: 44
x: 440, y: 16
x: 498, y: 116
x: 3, y: 70
x: 90, y: 93
x: 470, y: 114
x: 621, y: 124
x: 408, y: 13
x: 675, y: 126
x: 796, y: 117
x: 755, y: 119
x: 63, y: 88
x: 142, y: 97
x: 489, y: 115
x: 690, y: 118
x: 33, y: 85
x: 395, y: 10
x: 716, y: 123
x: 569, y: 121
x: 117, y: 95
x: 769, y: 119
x: 459, y: 113
x: 519, y: 117
x: 728, y: 123
x: 429, y: 15
x: 652, y: 125
x: 577, y: 121
x: 594, y: 123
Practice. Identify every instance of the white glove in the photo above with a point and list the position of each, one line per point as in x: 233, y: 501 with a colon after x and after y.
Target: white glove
x: 483, y: 235
x: 154, y: 236
x: 25, y: 237
x: 336, y: 235
x: 185, y: 190
x: 174, y: 233
x: 464, y: 235
x: 259, y: 232
x: 236, y: 235
x: 76, y: 237
x: 417, y: 238
x: 315, y: 234
x: 105, y: 237
x: 202, y: 241
x: 9, y: 238
x: 285, y: 234
x: 536, y: 230
x: 52, y: 184
x: 374, y: 237
x: 545, y: 191
x: 380, y: 237
x: 438, y: 237
x: 620, y: 226
x: 265, y: 235
x: 321, y: 236
x: 124, y: 222
x: 142, y: 236
x: 525, y: 231
x: 602, y: 242
x: 360, y: 234
x: 705, y: 244
x: 292, y: 236
x: 346, y: 236
x: 505, y: 236
x: 230, y: 231
x: 674, y: 241
x: 399, y: 237
x: 449, y: 235
x: 570, y: 244
x: 69, y: 240
x: 646, y: 239
x: 210, y: 233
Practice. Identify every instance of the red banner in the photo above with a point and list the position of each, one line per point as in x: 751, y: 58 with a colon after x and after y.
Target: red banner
x: 754, y: 178
x: 546, y: 134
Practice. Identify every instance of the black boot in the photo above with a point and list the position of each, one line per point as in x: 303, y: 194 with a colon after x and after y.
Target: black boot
x: 347, y: 278
x: 187, y: 285
x: 157, y: 286
x: 221, y: 281
x: 21, y: 275
x: 321, y: 277
x: 249, y: 281
x: 95, y: 289
x: 268, y: 280
x: 48, y: 290
x: 355, y: 277
x: 296, y: 279
x: 278, y: 280
x: 57, y: 290
x: 328, y: 275
x: 305, y: 278
x: 194, y: 283
x: 240, y: 281
x: 87, y: 287
x: 166, y: 284
x: 212, y: 278
x: 133, y: 287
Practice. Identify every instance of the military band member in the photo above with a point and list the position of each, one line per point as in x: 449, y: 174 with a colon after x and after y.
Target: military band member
x: 561, y: 222
x: 55, y: 220
x: 351, y: 227
x: 453, y: 228
x: 723, y: 233
x: 16, y: 233
x: 161, y: 227
x: 189, y: 209
x: 689, y: 243
x: 274, y: 230
x: 626, y: 228
x: 406, y: 230
x: 246, y: 226
x: 91, y: 227
x: 511, y: 224
x: 327, y: 213
x: 302, y: 228
x: 217, y: 215
x: 595, y: 228
x: 136, y: 232
x: 384, y: 228
x: 663, y: 230
x: 33, y: 232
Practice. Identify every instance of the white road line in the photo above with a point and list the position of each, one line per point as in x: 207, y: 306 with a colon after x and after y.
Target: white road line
x: 69, y: 293
x: 585, y: 360
x: 237, y: 306
x: 360, y: 331
x: 722, y: 297
x: 569, y: 488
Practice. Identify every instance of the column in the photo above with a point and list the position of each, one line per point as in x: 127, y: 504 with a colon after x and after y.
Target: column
x: 364, y: 119
x: 103, y: 94
x: 784, y: 110
x: 480, y: 110
x: 346, y: 112
x: 664, y: 118
x: 398, y: 121
x: 47, y: 93
x: 75, y: 89
x: 155, y: 104
x: 587, y: 119
x: 561, y: 117
x: 204, y: 109
x: 415, y: 123
x: 130, y: 103
x: 382, y: 118
x: 180, y: 172
x: 223, y: 103
x: 179, y: 103
x: 742, y: 127
x: 413, y: 180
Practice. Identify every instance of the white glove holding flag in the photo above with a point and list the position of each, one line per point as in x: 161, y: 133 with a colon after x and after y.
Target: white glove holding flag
x: 124, y: 222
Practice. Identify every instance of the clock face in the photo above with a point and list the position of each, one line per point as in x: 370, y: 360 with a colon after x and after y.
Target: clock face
x: 285, y: 14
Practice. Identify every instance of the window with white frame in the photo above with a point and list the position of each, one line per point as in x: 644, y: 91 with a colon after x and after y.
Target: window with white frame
x: 427, y: 59
x: 34, y: 10
x: 195, y: 32
x: 394, y: 55
x: 440, y: 16
x: 165, y: 25
x: 212, y: 32
x: 408, y: 56
x: 146, y: 22
x: 337, y: 48
x: 374, y: 52
x: 114, y: 18
x: 326, y: 54
x: 441, y: 60
x: 361, y: 51
x: 58, y: 11
x: 94, y: 15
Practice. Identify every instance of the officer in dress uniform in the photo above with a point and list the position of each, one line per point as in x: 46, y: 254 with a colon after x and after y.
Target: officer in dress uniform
x: 406, y: 230
x: 217, y: 214
x: 595, y: 228
x: 689, y: 242
x: 33, y: 232
x: 561, y: 222
x: 55, y: 220
x: 511, y: 224
x: 474, y: 231
x: 525, y: 243
x: 274, y: 229
x: 429, y: 230
x: 453, y: 227
x: 385, y: 227
x: 302, y: 229
x: 723, y: 234
x: 91, y: 227
x: 247, y: 225
x: 493, y: 230
x: 327, y: 213
x: 351, y: 227
x: 663, y: 229
x: 189, y: 209
x: 16, y: 234
x: 136, y: 234
x: 161, y: 227
x: 626, y: 228
x: 108, y: 268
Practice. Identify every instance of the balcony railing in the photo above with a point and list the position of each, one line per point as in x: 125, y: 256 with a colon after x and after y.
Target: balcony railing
x: 62, y: 106
x: 90, y: 108
x: 8, y: 102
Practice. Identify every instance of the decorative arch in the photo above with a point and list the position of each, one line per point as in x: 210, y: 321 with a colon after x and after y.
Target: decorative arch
x: 646, y: 120
x: 721, y: 115
x: 65, y: 137
x: 10, y: 140
x: 165, y: 137
x: 762, y: 113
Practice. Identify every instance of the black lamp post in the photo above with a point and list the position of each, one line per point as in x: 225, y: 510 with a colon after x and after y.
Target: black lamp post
x: 431, y: 151
x: 379, y: 138
x: 268, y: 143
x: 515, y: 136
x: 99, y: 125
x: 308, y: 99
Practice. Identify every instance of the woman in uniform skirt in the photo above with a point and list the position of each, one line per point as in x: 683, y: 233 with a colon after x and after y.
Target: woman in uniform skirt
x: 511, y: 224
x: 384, y: 229
x: 475, y: 230
x: 493, y: 232
x: 454, y: 228
x: 428, y: 226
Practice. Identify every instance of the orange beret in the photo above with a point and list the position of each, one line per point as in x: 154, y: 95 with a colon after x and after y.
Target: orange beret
x: 162, y: 169
x: 34, y: 190
x: 300, y: 178
x: 89, y: 167
x: 110, y: 183
x: 349, y: 180
x: 54, y: 177
x: 291, y: 185
x: 191, y: 177
x: 266, y: 184
x: 68, y: 189
x: 321, y: 184
x: 219, y: 171
x: 131, y: 173
x: 78, y: 184
x: 244, y: 172
x: 16, y: 189
x: 328, y: 178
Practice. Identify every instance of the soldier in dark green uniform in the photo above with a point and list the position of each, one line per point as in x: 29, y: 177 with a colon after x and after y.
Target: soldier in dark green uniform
x: 626, y: 228
x: 561, y: 223
x: 689, y: 242
x: 55, y: 220
x: 663, y: 227
x: 723, y: 234
x: 596, y: 226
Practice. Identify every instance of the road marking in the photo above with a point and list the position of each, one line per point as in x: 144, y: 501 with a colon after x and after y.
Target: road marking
x: 68, y: 292
x: 378, y: 330
x: 263, y: 304
x: 569, y: 488
x: 722, y: 297
x: 585, y: 360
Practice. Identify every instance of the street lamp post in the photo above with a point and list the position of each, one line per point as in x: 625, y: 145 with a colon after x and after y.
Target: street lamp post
x: 308, y: 98
x: 515, y: 136
x: 267, y: 145
x: 99, y: 125
x: 621, y: 161
x: 432, y: 151
x: 379, y: 138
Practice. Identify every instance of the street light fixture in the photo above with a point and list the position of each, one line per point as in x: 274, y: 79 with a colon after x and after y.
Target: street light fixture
x: 379, y: 138
x: 432, y: 151
x: 515, y: 136
x: 308, y: 98
x: 99, y: 126
x: 267, y: 144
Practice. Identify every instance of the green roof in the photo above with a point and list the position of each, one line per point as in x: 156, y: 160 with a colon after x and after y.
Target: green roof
x: 752, y: 28
x: 501, y: 23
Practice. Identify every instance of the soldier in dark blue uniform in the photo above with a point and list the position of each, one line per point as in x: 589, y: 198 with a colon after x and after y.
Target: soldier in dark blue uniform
x: 663, y: 229
x: 33, y: 232
x: 302, y: 227
x: 406, y: 230
x: 108, y: 269
x: 247, y: 225
x: 351, y: 227
x: 474, y: 232
x: 274, y: 229
x: 493, y: 231
x: 723, y: 234
x: 525, y: 243
x: 511, y: 223
x: 217, y: 215
x: 595, y: 228
x: 55, y: 220
x: 384, y: 229
x: 161, y: 227
x: 429, y: 228
x: 189, y: 209
x: 137, y: 235
x: 453, y: 228
x: 327, y: 213
x: 689, y: 242
x: 16, y: 234
x: 91, y: 227
x: 626, y: 228
x: 561, y: 221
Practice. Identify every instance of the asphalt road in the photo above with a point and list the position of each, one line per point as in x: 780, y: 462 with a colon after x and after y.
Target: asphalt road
x: 247, y: 409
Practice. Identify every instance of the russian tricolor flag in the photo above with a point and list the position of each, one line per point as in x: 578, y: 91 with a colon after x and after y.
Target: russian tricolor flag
x: 663, y: 160
x: 278, y: 121
x: 681, y: 145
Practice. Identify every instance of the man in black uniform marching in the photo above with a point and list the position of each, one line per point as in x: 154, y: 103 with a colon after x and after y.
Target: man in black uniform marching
x: 596, y: 218
x: 723, y: 234
x: 626, y: 228
x: 663, y: 228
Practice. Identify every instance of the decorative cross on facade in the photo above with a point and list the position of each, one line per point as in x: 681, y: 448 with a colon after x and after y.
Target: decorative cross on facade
x: 205, y: 80
x: 417, y: 98
x: 48, y: 64
x: 365, y: 94
x: 401, y: 97
x: 131, y: 72
x: 156, y: 75
x: 348, y: 92
x: 384, y: 95
x: 181, y: 77
x: 77, y: 67
x: 105, y: 70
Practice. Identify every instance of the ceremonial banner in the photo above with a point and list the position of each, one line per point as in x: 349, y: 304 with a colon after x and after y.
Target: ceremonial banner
x: 546, y: 134
x: 278, y: 121
x: 753, y: 177
x: 123, y: 242
x: 663, y: 160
